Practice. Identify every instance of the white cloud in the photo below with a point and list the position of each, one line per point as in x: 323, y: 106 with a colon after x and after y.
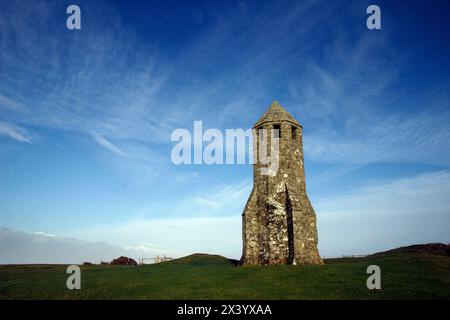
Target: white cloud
x: 384, y: 215
x: 380, y: 216
x: 221, y: 200
x: 43, y: 234
x: 130, y: 97
x: 205, y: 202
x: 14, y: 132
x: 141, y: 238
x: 108, y: 145
x: 7, y: 104
x: 223, y: 196
x: 424, y: 137
x: 18, y: 247
x: 186, y: 177
x: 174, y: 237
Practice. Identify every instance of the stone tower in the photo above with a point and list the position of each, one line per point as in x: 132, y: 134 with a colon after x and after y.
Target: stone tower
x: 279, y: 222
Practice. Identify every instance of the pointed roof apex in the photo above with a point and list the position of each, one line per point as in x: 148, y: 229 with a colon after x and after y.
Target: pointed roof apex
x: 276, y: 113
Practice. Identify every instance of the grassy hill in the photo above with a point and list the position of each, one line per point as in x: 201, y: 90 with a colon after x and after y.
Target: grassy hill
x: 405, y: 274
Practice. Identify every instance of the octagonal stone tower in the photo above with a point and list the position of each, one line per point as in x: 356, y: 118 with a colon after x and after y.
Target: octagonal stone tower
x: 279, y: 222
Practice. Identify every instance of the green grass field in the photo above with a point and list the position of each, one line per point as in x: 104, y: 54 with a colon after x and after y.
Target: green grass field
x: 404, y: 276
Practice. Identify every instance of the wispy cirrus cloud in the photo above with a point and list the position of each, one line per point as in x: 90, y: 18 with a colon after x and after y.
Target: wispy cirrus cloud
x: 125, y: 90
x: 89, y: 82
x: 377, y: 216
x: 137, y: 95
x: 171, y: 236
x: 14, y: 132
x: 108, y: 145
x: 424, y: 138
x: 359, y: 113
x: 205, y: 202
x: 220, y: 200
x: 9, y: 105
x: 202, y: 199
x: 385, y: 214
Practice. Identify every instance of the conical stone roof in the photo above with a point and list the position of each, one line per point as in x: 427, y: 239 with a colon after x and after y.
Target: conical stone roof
x: 276, y: 113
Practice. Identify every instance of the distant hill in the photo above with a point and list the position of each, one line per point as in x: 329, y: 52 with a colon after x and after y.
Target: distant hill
x: 204, y: 259
x: 429, y: 248
x: 415, y: 272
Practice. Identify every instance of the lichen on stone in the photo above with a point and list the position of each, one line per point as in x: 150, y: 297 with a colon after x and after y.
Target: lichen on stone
x: 279, y: 222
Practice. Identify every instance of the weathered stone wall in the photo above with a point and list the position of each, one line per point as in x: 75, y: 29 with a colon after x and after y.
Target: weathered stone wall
x: 279, y: 222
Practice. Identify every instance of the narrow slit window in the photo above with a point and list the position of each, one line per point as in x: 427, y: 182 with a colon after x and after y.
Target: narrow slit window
x: 294, y: 133
x: 277, y: 131
x: 261, y: 133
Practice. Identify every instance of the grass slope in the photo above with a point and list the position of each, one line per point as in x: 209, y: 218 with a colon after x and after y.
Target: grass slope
x: 405, y: 275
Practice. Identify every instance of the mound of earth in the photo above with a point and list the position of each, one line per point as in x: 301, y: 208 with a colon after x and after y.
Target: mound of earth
x: 124, y: 261
x: 204, y: 259
x: 439, y: 249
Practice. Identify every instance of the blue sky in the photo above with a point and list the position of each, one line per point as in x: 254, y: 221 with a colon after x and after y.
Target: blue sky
x: 86, y: 118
